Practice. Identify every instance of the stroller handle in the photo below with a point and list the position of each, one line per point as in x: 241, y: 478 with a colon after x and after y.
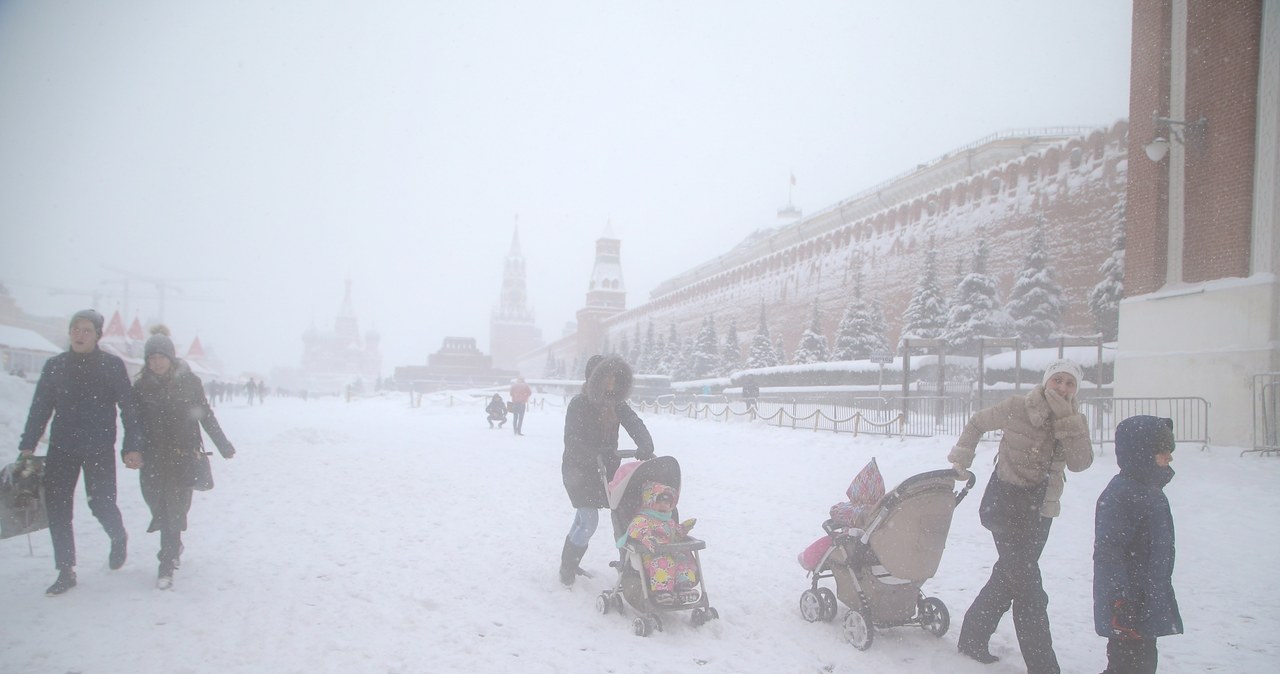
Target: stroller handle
x: 626, y: 453
x: 968, y: 484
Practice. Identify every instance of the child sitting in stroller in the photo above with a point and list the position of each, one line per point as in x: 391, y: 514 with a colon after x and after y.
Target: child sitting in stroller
x: 672, y: 577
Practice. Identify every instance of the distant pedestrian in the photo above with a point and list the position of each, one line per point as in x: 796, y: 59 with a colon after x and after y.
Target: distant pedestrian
x: 81, y: 389
x: 497, y: 410
x: 591, y: 426
x: 171, y: 409
x: 1044, y: 434
x: 1133, y: 600
x: 520, y: 393
x: 249, y: 390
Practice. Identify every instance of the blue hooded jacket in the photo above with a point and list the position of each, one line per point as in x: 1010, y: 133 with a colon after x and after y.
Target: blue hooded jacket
x: 1133, y: 546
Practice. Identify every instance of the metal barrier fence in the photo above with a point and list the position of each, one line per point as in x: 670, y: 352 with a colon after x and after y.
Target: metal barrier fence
x: 1190, y: 416
x: 928, y: 416
x: 1266, y: 414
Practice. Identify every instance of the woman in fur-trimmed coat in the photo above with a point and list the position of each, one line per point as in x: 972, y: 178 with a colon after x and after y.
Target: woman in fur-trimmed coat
x: 591, y: 425
x: 171, y: 410
x: 1044, y: 434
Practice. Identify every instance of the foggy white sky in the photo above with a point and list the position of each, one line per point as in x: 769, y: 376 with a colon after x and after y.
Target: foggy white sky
x: 258, y: 153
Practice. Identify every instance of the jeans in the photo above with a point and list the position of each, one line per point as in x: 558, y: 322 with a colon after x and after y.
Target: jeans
x: 1015, y: 582
x: 585, y: 521
x: 61, y: 472
x: 517, y: 417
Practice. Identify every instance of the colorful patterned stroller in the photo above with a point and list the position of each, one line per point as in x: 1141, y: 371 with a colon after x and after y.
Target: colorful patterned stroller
x: 633, y: 581
x: 879, y: 556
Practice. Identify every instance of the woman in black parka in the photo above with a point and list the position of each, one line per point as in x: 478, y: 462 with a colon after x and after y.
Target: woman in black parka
x: 591, y: 439
x: 171, y: 409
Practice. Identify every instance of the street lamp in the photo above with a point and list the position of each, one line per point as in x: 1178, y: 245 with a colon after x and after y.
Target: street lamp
x: 1185, y: 133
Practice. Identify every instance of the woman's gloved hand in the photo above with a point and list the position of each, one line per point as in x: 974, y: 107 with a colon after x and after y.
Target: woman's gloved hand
x: 1059, y: 406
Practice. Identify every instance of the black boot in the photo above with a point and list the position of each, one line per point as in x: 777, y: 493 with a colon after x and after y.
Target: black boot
x: 978, y: 652
x: 569, y: 558
x: 66, y: 580
x: 119, y: 550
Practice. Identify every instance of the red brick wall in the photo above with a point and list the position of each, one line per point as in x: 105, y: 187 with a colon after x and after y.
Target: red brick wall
x: 1223, y: 41
x: 1146, y: 217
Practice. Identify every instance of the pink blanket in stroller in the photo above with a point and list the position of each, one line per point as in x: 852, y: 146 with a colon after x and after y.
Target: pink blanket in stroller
x: 864, y: 493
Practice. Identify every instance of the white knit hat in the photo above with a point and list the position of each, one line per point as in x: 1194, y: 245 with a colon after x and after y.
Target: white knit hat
x: 1063, y: 365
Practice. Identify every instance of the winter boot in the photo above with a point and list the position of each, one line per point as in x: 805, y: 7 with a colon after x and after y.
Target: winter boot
x: 66, y: 580
x: 164, y: 579
x: 569, y: 558
x: 977, y: 652
x: 119, y: 550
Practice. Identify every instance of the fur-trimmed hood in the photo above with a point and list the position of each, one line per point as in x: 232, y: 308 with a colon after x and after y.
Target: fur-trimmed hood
x: 621, y: 372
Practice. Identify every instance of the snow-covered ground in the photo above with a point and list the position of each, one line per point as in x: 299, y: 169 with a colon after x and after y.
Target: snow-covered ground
x: 374, y: 537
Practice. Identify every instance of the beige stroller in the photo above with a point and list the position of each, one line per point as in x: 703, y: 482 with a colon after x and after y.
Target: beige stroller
x: 880, y: 560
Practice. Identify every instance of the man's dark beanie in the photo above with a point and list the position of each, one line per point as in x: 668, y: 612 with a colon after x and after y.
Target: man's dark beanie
x: 89, y: 315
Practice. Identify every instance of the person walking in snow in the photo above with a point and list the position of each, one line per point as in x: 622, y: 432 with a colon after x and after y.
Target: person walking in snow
x: 497, y: 410
x: 520, y: 393
x: 1133, y: 600
x: 81, y: 389
x: 1044, y: 433
x: 590, y: 457
x: 172, y: 407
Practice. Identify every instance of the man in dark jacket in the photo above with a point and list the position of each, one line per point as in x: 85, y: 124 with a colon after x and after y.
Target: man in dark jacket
x: 1133, y: 549
x: 81, y: 390
x: 591, y: 426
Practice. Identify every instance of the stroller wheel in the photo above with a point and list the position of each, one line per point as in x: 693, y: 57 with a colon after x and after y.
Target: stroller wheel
x: 934, y: 617
x: 829, y: 606
x: 604, y: 603
x: 812, y: 608
x: 698, y: 617
x: 617, y: 601
x: 640, y: 627
x: 858, y: 629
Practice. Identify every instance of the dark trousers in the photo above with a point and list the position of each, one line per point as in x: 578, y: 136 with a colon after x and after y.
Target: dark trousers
x: 517, y: 416
x: 166, y: 487
x: 1015, y: 581
x: 61, y: 472
x: 1131, y: 656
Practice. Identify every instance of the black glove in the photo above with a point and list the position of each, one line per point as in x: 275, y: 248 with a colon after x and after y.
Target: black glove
x: 1123, y: 621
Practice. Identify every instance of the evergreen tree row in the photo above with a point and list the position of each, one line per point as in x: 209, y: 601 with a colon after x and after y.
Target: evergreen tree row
x: 1032, y: 313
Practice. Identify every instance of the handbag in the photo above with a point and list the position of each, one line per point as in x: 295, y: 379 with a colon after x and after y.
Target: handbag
x: 22, y: 504
x: 1009, y: 508
x: 201, y: 471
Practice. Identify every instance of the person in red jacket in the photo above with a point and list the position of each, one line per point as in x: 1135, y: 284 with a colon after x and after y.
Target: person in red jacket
x: 520, y: 393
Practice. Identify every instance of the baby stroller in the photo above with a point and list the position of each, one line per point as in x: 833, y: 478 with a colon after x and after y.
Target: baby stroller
x: 880, y: 559
x: 633, y: 581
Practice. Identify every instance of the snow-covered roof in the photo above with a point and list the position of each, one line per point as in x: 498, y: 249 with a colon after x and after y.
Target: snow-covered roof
x: 27, y: 340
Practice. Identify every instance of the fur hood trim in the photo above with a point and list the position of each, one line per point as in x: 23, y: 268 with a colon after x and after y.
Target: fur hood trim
x: 610, y: 365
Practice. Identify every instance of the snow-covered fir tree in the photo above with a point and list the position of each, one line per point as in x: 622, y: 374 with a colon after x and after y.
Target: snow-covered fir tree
x: 813, y: 344
x: 779, y: 351
x: 761, y: 353
x: 550, y: 370
x: 651, y: 354
x: 637, y: 349
x: 1035, y: 302
x: 731, y: 354
x: 706, y: 350
x: 926, y: 314
x: 975, y: 310
x: 861, y: 328
x: 684, y: 369
x: 671, y: 355
x: 1104, y: 299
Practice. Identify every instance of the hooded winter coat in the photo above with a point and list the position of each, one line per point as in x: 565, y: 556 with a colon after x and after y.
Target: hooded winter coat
x: 591, y: 433
x: 1133, y: 545
x: 1035, y: 446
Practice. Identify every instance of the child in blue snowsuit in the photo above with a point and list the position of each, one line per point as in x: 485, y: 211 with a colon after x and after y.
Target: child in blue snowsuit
x: 1133, y: 550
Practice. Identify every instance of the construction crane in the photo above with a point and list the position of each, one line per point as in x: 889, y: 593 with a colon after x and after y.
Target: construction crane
x: 162, y: 285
